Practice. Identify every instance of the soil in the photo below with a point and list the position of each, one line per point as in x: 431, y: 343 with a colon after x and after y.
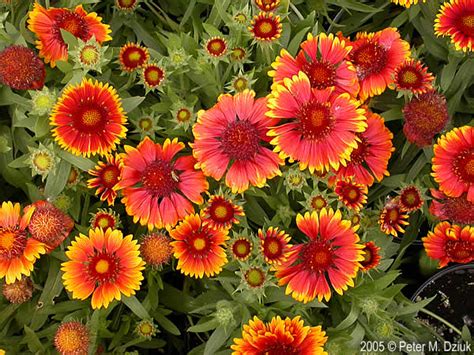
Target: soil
x: 454, y: 291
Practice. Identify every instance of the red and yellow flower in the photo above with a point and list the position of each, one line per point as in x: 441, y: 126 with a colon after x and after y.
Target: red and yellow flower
x: 267, y: 5
x: 280, y: 336
x: 104, y: 264
x: 47, y: 24
x: 107, y: 175
x: 425, y: 116
x: 332, y: 254
x: 265, y: 27
x: 153, y: 75
x: 319, y: 128
x: 453, y: 162
x: 48, y: 224
x: 18, y: 253
x: 371, y: 256
x: 216, y: 47
x: 229, y: 140
x: 450, y: 243
x: 126, y: 5
x: 413, y: 76
x: 221, y: 212
x: 105, y: 218
x: 198, y: 248
x: 157, y: 187
x: 323, y: 60
x: 274, y: 245
x: 369, y: 160
x: 241, y: 248
x: 72, y: 338
x: 392, y: 218
x: 156, y: 249
x: 407, y: 3
x: 375, y: 57
x: 454, y: 209
x: 410, y: 198
x: 352, y: 194
x: 21, y: 69
x: 456, y: 20
x: 88, y: 118
x: 133, y: 56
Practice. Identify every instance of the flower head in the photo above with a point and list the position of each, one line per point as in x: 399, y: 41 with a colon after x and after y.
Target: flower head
x: 72, y: 338
x: 152, y: 75
x: 47, y: 24
x: 238, y: 54
x: 19, y: 291
x: 18, y: 253
x: 280, y: 336
x: 216, y: 47
x: 88, y: 119
x: 157, y: 187
x: 392, y: 218
x: 105, y: 218
x: 156, y: 249
x: 42, y: 101
x: 133, y: 56
x: 146, y: 329
x: 241, y: 248
x: 425, y: 116
x: 323, y: 123
x: 198, y: 248
x: 295, y: 179
x: 413, y: 76
x: 371, y: 256
x: 229, y: 140
x: 352, y: 194
x: 407, y: 3
x: 126, y: 5
x: 265, y: 27
x: 317, y: 201
x: 49, y: 224
x: 183, y: 115
x: 255, y: 277
x: 89, y: 55
x: 323, y: 60
x: 369, y: 160
x: 454, y: 209
x: 375, y: 57
x: 274, y: 245
x: 453, y: 162
x: 21, y: 69
x: 410, y: 198
x: 107, y: 175
x: 42, y: 160
x: 456, y: 20
x: 331, y: 253
x: 104, y: 264
x: 221, y: 212
x: 450, y: 243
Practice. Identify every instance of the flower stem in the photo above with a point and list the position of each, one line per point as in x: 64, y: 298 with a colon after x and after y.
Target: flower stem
x: 442, y: 320
x: 296, y: 11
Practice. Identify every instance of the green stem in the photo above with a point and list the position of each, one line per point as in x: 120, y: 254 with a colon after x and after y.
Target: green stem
x: 296, y: 11
x: 442, y: 320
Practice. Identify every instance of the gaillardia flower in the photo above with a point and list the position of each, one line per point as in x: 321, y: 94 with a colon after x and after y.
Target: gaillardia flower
x: 104, y: 264
x: 267, y: 5
x: 456, y: 20
x: 453, y: 162
x: 450, y: 243
x: 454, y: 209
x: 198, y: 247
x: 133, y: 56
x: 156, y: 249
x: 157, y: 187
x: 323, y: 60
x: 19, y: 291
x: 241, y: 248
x: 72, y: 338
x: 375, y: 57
x: 126, y: 5
x: 18, y: 253
x: 280, y: 336
x: 352, y: 194
x: 410, y: 198
x: 221, y: 212
x: 47, y: 24
x: 107, y: 175
x: 371, y: 256
x: 425, y: 116
x: 319, y: 128
x: 105, y: 218
x: 332, y: 254
x: 274, y: 245
x: 369, y: 160
x: 254, y: 277
x: 88, y: 119
x: 146, y: 329
x: 42, y: 160
x: 21, y: 69
x: 413, y: 76
x: 229, y: 140
x: 152, y: 76
x: 407, y: 3
x: 216, y: 47
x: 265, y: 27
x: 49, y: 224
x: 392, y: 218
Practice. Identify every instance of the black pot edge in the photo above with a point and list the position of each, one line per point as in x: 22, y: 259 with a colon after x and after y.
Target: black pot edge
x: 440, y: 274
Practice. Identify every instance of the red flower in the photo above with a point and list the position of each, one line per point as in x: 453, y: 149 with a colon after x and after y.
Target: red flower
x: 21, y: 69
x: 456, y: 20
x: 274, y: 245
x: 454, y: 209
x: 265, y: 27
x: 413, y: 76
x: 371, y: 256
x: 410, y: 198
x: 393, y: 218
x: 107, y: 176
x: 133, y: 56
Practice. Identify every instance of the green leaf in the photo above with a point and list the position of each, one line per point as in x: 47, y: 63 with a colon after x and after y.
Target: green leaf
x: 136, y: 307
x: 166, y: 324
x: 55, y: 183
x: 78, y: 161
x: 131, y: 103
x: 356, y: 5
x: 69, y: 38
x: 297, y: 38
x: 350, y: 319
x: 204, y: 326
x: 414, y: 307
x: 31, y: 339
x: 216, y: 340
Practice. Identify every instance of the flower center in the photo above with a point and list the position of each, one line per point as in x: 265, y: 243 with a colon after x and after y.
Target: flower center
x: 72, y: 23
x: 42, y: 161
x: 240, y: 84
x: 158, y: 178
x: 12, y: 243
x: 237, y: 53
x: 110, y: 176
x: 183, y: 115
x: 459, y: 210
x: 216, y: 47
x: 69, y: 340
x: 221, y: 212
x: 315, y: 120
x: 153, y: 75
x: 318, y: 202
x: 199, y: 243
x: 369, y: 58
x: 104, y: 267
x: 410, y: 77
x: 393, y: 215
x: 241, y: 248
x: 317, y: 256
x: 459, y: 250
x: 272, y: 248
x: 104, y: 221
x: 240, y: 140
x: 464, y: 166
x: 89, y: 55
x: 46, y: 225
x: 279, y: 349
x: 255, y: 277
x: 467, y: 24
x: 265, y: 27
x: 358, y: 154
x: 90, y: 119
x: 127, y: 4
x: 145, y: 124
x: 321, y: 74
x: 367, y: 256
